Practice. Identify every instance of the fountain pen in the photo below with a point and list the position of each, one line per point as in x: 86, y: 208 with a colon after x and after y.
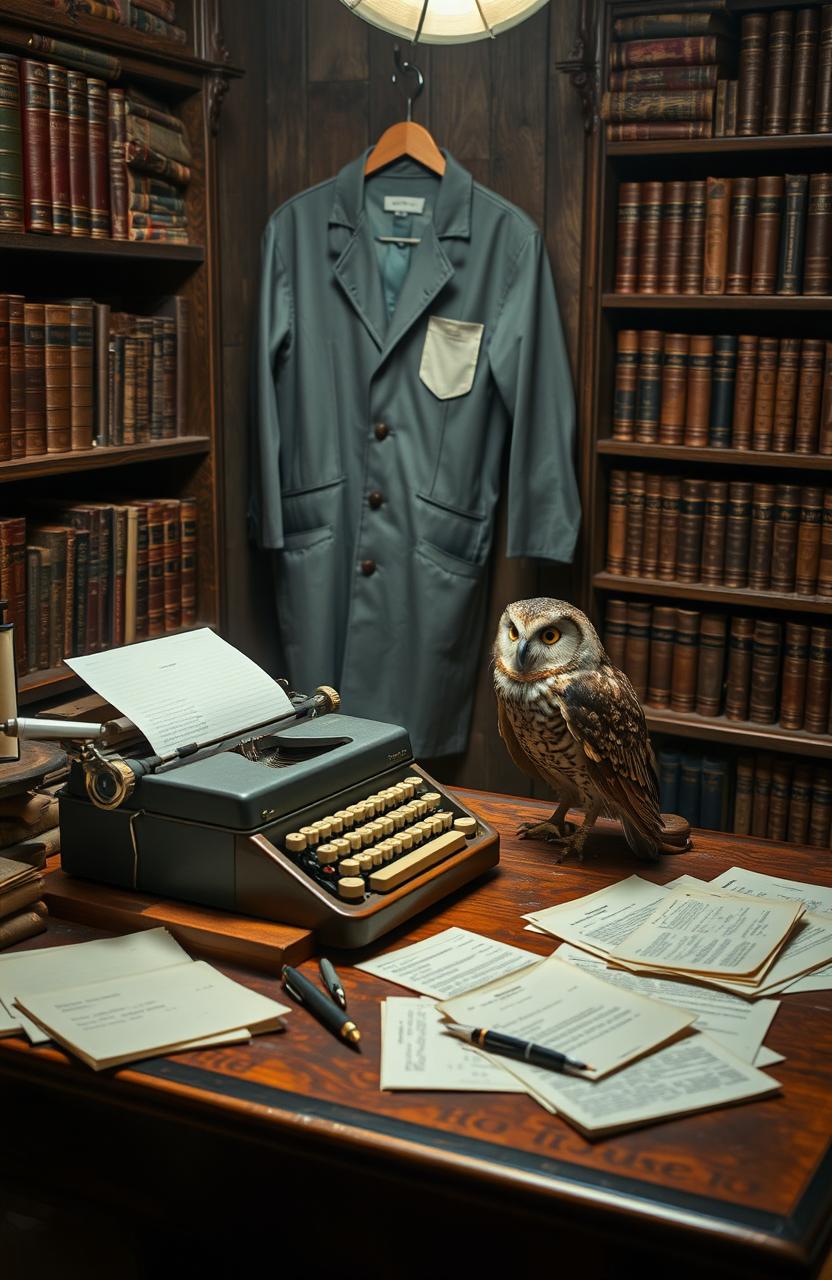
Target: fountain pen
x: 523, y: 1050
x: 324, y: 1009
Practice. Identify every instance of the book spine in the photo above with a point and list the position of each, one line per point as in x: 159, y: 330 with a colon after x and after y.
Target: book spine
x: 650, y: 234
x: 37, y: 194
x: 700, y: 377
x: 5, y: 402
x: 637, y: 649
x: 743, y: 795
x: 173, y: 143
x: 662, y: 637
x: 32, y: 597
x: 173, y: 568
x: 719, y: 108
x: 149, y: 160
x: 824, y: 587
x: 818, y: 680
x: 11, y: 147
x: 634, y: 534
x: 165, y: 9
x: 663, y: 78
x: 820, y: 814
x: 744, y: 391
x: 713, y: 532
x: 760, y: 541
x: 778, y: 809
x: 795, y: 666
x: 98, y: 159
x: 183, y: 329
x: 693, y: 245
x: 79, y: 154
x: 809, y: 393
x: 825, y: 433
x: 823, y: 85
x: 659, y: 25
x: 676, y: 52
x: 615, y: 632
x: 79, y: 613
x: 778, y: 73
x: 673, y: 221
x: 649, y: 386
x: 169, y: 378
x: 713, y: 810
x: 17, y: 595
x: 762, y: 428
x: 629, y: 216
x: 34, y: 337
x: 101, y: 366
x: 753, y: 41
x: 737, y: 532
x: 722, y: 399
x: 674, y: 385
x: 684, y: 105
x: 157, y: 382
x: 141, y: 573
x: 75, y: 55
x: 188, y: 526
x: 785, y: 395
x: 691, y: 521
x: 59, y: 150
x: 17, y: 376
x: 784, y: 537
x: 741, y: 236
x: 652, y: 525
x: 717, y: 222
x: 129, y: 390
x: 712, y: 638
x: 117, y: 138
x: 685, y: 661
x: 150, y: 24
x: 668, y: 765
x: 690, y: 788
x: 69, y: 595
x: 765, y: 672
x: 81, y: 375
x: 669, y: 529
x: 762, y: 797
x: 802, y: 98
x: 56, y: 360
x: 816, y: 265
x: 792, y: 238
x: 731, y: 109
x: 768, y: 215
x: 626, y: 383
x: 800, y: 804
x: 808, y: 540
x: 156, y: 570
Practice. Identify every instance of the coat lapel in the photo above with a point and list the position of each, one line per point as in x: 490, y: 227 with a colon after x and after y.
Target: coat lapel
x: 356, y: 270
x: 429, y: 272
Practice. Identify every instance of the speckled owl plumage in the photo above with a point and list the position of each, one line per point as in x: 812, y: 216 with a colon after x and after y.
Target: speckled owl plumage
x: 570, y: 718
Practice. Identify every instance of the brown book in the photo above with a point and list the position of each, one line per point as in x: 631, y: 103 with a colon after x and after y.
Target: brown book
x: 5, y: 404
x: 737, y: 533
x: 717, y: 225
x: 740, y: 236
x: 762, y: 796
x: 768, y: 215
x: 662, y: 636
x: 658, y: 130
x: 23, y: 925
x: 13, y: 581
x: 627, y: 241
x: 784, y: 537
x: 173, y: 567
x: 762, y: 428
x: 615, y: 632
x: 678, y: 52
x: 759, y: 544
x: 656, y: 78
x: 54, y: 538
x: 800, y: 804
x: 713, y: 532
x: 99, y: 161
x: 17, y: 375
x: 739, y: 672
x: 778, y: 74
x: 745, y: 385
x: 674, y: 389
x: 637, y: 649
x: 169, y: 378
x: 823, y: 80
x: 78, y: 145
x: 143, y: 339
x: 650, y: 237
x: 809, y: 394
x: 81, y: 374
x: 649, y: 386
x: 34, y: 337
x: 128, y: 389
x: 825, y: 433
x: 652, y: 525
x: 743, y: 795
x: 34, y: 103
x: 719, y: 108
x: 731, y: 110
x: 753, y: 41
x: 685, y: 661
x: 808, y: 540
x: 817, y: 275
x: 669, y: 530
x: 673, y: 222
x: 802, y: 98
x: 795, y: 666
x: 183, y: 329
x: 683, y: 105
x: 59, y: 149
x: 818, y: 680
x: 155, y: 569
x: 117, y: 137
x: 691, y: 521
x: 188, y: 540
x: 101, y: 367
x: 785, y: 395
x: 693, y: 243
x: 617, y: 521
x: 634, y: 534
x: 765, y: 672
x: 700, y: 378
x: 57, y: 366
x: 712, y: 636
x: 824, y: 587
x: 778, y: 809
x: 820, y: 814
x: 664, y: 25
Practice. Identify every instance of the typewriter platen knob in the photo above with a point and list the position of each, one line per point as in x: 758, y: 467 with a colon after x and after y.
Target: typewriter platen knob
x: 331, y: 698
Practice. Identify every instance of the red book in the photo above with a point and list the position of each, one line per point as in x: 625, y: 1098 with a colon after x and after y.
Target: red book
x: 79, y: 154
x: 117, y: 136
x: 37, y: 194
x: 17, y: 376
x: 99, y: 166
x: 59, y: 149
x: 5, y: 406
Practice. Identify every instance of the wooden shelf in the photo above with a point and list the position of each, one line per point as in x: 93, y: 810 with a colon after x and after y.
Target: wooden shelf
x: 717, y: 457
x: 54, y: 464
x: 84, y: 246
x: 741, y: 597
x: 712, y: 302
x: 782, y: 143
x: 768, y: 737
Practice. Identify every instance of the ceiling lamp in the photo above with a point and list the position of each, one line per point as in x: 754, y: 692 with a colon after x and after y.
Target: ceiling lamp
x: 444, y: 21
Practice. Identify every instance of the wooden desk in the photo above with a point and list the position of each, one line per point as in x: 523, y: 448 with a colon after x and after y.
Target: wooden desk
x: 290, y: 1139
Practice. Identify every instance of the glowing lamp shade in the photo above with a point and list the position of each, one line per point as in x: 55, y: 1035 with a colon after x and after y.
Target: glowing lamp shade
x: 446, y: 21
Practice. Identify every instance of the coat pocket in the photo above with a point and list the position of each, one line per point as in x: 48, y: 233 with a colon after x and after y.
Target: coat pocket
x: 306, y: 581
x: 449, y: 356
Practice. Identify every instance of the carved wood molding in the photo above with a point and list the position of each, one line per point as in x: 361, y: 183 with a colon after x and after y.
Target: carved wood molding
x: 217, y: 89
x: 582, y: 65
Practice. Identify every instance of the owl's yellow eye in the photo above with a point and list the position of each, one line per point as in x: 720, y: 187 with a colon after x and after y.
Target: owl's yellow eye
x: 550, y: 636
x: 513, y: 633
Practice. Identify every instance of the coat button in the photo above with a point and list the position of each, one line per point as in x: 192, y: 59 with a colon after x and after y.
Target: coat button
x: 368, y: 567
x: 382, y: 431
x: 375, y: 500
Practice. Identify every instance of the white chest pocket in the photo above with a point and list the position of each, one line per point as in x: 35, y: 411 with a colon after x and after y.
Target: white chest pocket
x: 449, y: 356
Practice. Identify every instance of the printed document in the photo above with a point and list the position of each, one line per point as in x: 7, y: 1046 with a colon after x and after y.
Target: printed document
x: 807, y: 952
x: 450, y: 962
x: 598, y: 922
x: 815, y: 897
x: 417, y: 1054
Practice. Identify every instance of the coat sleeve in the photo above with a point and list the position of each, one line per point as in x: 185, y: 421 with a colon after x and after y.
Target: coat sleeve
x: 274, y: 336
x: 529, y: 363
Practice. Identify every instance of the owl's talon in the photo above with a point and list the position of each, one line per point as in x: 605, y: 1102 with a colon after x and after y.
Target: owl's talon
x: 541, y: 831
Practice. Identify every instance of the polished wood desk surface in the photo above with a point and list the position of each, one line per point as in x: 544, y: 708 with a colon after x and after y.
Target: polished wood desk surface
x: 748, y: 1187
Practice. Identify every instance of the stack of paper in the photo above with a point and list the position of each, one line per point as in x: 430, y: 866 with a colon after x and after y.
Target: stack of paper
x: 22, y: 913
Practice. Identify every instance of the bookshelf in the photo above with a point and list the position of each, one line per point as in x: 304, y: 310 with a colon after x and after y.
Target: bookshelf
x: 605, y: 313
x: 143, y: 279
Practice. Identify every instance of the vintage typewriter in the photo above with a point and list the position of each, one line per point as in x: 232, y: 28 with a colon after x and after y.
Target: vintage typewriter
x: 318, y: 819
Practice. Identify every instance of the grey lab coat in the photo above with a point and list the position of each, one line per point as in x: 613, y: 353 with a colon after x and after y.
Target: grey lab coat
x: 389, y: 379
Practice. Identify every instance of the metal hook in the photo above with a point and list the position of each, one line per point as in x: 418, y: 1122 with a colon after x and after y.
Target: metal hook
x: 407, y: 68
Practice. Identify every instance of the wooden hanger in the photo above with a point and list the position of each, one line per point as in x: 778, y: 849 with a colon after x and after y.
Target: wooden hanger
x: 406, y: 138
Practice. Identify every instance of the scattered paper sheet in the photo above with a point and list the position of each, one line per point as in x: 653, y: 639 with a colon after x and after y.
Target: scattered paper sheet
x: 9, y: 1024
x: 818, y: 980
x: 450, y: 962
x: 556, y: 1005
x: 815, y: 897
x: 417, y: 1054
x: 809, y: 947
x: 599, y: 921
x: 185, y: 688
x: 768, y: 1058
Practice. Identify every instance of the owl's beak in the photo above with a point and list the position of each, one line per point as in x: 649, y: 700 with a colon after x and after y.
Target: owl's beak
x: 522, y: 653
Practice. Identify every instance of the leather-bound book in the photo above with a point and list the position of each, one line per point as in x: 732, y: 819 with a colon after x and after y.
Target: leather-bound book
x: 762, y: 796
x: 808, y: 540
x: 700, y: 379
x: 34, y: 337
x: 650, y: 237
x: 188, y: 543
x: 634, y: 533
x: 34, y: 95
x: 656, y: 79
x: 818, y: 680
x: 142, y: 573
x: 800, y: 804
x: 11, y: 147
x: 731, y: 109
x: 59, y: 149
x: 673, y: 222
x: 691, y: 521
x: 717, y: 224
x: 745, y: 385
x: 79, y: 154
x: 765, y: 672
x: 743, y: 795
x: 624, y: 403
x: 778, y: 74
x: 669, y: 531
x: 759, y: 544
x: 649, y: 386
x: 129, y: 389
x: 667, y: 767
x: 681, y: 105
x: 713, y: 532
x: 752, y: 67
x: 169, y: 377
x: 719, y: 108
x: 784, y: 537
x: 652, y: 524
x: 768, y: 215
x: 824, y: 587
x: 616, y: 521
x: 713, y: 810
x: 181, y: 308
x: 792, y: 234
x: 615, y: 632
x: 737, y: 533
x: 713, y: 629
x: 823, y: 80
x: 56, y: 359
x: 820, y: 813
x: 740, y: 236
x: 795, y: 668
x: 17, y: 375
x: 690, y: 787
x: 664, y: 25
x: 659, y: 130
x: 117, y: 138
x: 5, y: 407
x: 825, y: 434
x: 637, y: 650
x: 778, y: 808
x: 722, y: 390
x: 173, y: 567
x: 693, y: 243
x: 101, y: 365
x: 143, y: 328
x: 662, y: 636
x: 684, y: 51
x: 809, y: 395
x: 157, y: 380
x: 685, y: 661
x: 81, y: 374
x: 675, y: 388
x: 738, y: 676
x: 762, y: 428
x: 785, y: 395
x: 802, y: 98
x: 817, y: 274
x: 99, y: 161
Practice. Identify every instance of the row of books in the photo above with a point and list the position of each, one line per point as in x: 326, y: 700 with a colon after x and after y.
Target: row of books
x: 748, y: 669
x: 75, y: 373
x: 765, y: 537
x: 723, y: 391
x: 153, y: 17
x: 737, y: 236
x: 80, y: 159
x: 85, y: 576
x: 773, y: 797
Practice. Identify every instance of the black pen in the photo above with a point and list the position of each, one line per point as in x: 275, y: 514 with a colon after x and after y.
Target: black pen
x: 535, y: 1054
x: 332, y: 982
x: 308, y: 995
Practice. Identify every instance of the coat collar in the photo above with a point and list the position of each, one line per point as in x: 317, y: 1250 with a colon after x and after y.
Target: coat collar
x: 452, y: 212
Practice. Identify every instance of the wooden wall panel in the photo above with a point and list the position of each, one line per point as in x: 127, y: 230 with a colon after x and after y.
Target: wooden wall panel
x: 318, y: 89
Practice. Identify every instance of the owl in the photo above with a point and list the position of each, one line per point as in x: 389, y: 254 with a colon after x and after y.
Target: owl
x: 568, y: 717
